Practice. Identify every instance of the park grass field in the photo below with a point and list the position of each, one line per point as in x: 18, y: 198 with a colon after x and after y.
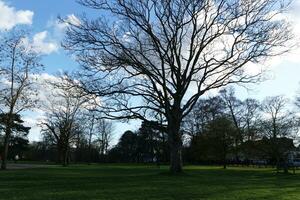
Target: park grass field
x: 138, y: 182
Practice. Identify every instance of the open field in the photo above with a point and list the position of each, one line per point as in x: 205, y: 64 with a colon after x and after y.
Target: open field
x: 146, y: 182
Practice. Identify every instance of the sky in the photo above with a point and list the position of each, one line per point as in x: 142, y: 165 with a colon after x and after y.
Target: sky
x: 40, y: 17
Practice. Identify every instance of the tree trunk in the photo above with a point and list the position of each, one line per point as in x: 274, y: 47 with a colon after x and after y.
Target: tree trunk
x: 59, y: 153
x: 224, y: 163
x: 175, y: 142
x: 65, y: 160
x: 6, y: 145
x: 90, y: 140
x: 285, y: 168
x: 175, y: 158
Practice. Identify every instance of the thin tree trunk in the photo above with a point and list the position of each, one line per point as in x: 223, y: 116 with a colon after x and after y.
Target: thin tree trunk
x: 6, y: 141
x: 224, y: 162
x: 285, y: 167
x: 65, y: 157
x: 6, y: 145
x: 90, y: 140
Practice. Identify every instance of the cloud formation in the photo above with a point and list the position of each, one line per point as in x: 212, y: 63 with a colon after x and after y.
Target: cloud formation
x: 10, y: 17
x: 41, y: 44
x: 59, y: 27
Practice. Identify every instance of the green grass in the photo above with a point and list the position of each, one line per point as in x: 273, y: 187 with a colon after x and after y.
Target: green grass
x: 130, y: 182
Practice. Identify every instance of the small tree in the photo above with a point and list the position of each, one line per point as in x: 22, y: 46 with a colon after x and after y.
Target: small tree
x: 153, y: 56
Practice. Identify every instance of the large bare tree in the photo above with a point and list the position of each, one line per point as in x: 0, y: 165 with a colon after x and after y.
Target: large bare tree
x: 18, y: 61
x: 147, y: 57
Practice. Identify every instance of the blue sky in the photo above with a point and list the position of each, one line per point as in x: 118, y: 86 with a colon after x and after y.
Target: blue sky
x: 45, y: 15
x: 40, y: 16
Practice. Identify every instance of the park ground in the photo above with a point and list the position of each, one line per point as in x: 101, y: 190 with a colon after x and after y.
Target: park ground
x: 140, y: 182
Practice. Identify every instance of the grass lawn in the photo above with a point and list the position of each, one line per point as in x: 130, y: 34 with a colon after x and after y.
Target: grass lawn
x: 146, y: 182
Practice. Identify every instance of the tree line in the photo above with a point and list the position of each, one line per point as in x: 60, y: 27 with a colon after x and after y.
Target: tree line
x: 224, y: 130
x: 219, y: 130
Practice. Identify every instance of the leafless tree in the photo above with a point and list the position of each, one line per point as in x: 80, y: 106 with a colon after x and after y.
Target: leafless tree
x: 277, y: 125
x: 104, y: 130
x: 251, y: 118
x: 297, y: 104
x: 90, y: 123
x: 235, y: 110
x: 204, y: 111
x: 18, y: 61
x: 277, y: 118
x: 62, y: 124
x: 160, y: 56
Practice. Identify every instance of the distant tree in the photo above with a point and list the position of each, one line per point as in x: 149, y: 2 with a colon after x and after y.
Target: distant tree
x: 235, y: 110
x: 204, y: 111
x: 297, y: 104
x: 18, y: 142
x: 80, y: 144
x: 43, y: 150
x: 150, y: 143
x: 18, y: 145
x: 201, y: 143
x: 245, y: 116
x: 62, y: 125
x: 127, y: 147
x: 164, y: 55
x: 278, y: 125
x: 217, y: 142
x: 90, y: 123
x: 223, y: 132
x: 251, y: 117
x: 103, y: 135
x: 17, y: 62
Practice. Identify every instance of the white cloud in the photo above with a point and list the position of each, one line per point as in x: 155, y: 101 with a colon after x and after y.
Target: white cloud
x: 59, y: 26
x: 293, y: 17
x: 72, y: 19
x: 32, y: 120
x: 10, y: 17
x: 56, y: 31
x: 41, y: 44
x: 44, y: 89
